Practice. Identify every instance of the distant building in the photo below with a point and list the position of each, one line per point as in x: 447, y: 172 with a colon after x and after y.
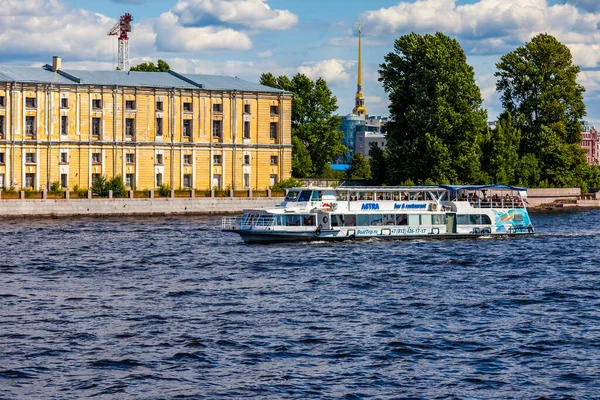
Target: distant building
x: 589, y: 142
x: 372, y: 131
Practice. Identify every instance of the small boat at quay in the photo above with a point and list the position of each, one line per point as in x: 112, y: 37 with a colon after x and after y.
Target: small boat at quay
x: 411, y: 212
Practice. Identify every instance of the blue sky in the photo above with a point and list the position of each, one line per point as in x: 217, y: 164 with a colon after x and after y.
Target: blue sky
x: 317, y: 37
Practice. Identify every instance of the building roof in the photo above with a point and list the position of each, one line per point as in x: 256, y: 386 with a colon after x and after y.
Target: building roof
x: 169, y: 79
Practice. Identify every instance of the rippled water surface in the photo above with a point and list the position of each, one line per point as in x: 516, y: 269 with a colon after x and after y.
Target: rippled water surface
x: 175, y: 308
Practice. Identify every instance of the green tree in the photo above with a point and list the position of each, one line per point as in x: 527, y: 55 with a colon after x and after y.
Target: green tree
x: 150, y: 67
x: 378, y: 161
x: 315, y: 137
x: 437, y: 121
x: 538, y: 84
x: 359, y: 168
x: 501, y: 151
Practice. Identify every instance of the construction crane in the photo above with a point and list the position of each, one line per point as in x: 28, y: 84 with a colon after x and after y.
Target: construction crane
x: 121, y: 29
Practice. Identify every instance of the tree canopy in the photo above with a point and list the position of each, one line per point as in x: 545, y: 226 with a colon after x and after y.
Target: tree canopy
x: 538, y: 85
x: 359, y: 168
x: 437, y: 120
x: 315, y: 137
x: 150, y: 67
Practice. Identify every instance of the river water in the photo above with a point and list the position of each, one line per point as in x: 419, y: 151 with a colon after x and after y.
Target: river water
x: 158, y: 308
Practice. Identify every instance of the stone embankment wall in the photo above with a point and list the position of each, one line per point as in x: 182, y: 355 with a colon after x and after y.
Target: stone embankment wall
x: 124, y: 206
x: 537, y: 197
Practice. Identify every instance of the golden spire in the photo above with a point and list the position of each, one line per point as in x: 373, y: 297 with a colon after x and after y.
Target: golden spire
x: 359, y: 99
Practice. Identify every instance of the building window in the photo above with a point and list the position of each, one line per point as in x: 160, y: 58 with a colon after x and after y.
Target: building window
x: 129, y: 180
x: 160, y: 106
x: 273, y: 179
x: 95, y: 177
x: 246, y: 180
x: 217, y: 131
x: 2, y: 186
x: 96, y: 126
x: 247, y: 159
x: 187, y: 180
x: 274, y: 160
x: 130, y: 104
x: 30, y: 158
x: 159, y: 180
x: 247, y: 108
x: 246, y: 129
x: 64, y: 102
x: 159, y: 159
x: 64, y: 181
x: 217, y: 108
x: 1, y: 125
x: 129, y: 127
x: 187, y: 128
x: 29, y: 180
x: 129, y: 158
x: 217, y: 159
x: 159, y: 126
x: 96, y: 104
x: 30, y: 125
x: 274, y: 110
x: 2, y: 101
x: 64, y: 125
x: 96, y: 158
x: 1, y: 158
x: 273, y: 130
x: 187, y: 159
x: 64, y: 157
x: 30, y: 102
x: 187, y: 107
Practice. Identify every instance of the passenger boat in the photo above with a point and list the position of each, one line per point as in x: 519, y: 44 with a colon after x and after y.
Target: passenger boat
x: 345, y: 213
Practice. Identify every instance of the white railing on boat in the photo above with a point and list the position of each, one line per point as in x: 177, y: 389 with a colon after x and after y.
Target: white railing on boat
x: 247, y: 222
x: 499, y: 203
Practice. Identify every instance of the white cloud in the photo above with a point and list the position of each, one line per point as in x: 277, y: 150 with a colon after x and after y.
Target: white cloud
x: 266, y: 54
x: 487, y: 26
x: 173, y: 37
x: 374, y: 100
x: 255, y: 14
x: 332, y: 70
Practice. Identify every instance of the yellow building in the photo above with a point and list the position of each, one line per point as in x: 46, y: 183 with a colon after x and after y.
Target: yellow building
x: 152, y: 128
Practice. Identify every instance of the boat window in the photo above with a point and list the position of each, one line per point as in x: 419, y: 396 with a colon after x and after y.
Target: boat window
x: 413, y: 196
x: 388, y: 219
x: 336, y: 220
x: 342, y: 196
x: 308, y: 220
x: 291, y: 196
x: 425, y: 219
x: 292, y: 220
x: 378, y: 196
x: 485, y: 219
x: 438, y: 219
x: 353, y: 196
x: 375, y: 219
x: 316, y: 195
x: 474, y: 219
x: 388, y: 196
x: 349, y: 220
x: 280, y: 220
x: 414, y: 220
x: 305, y: 195
x: 397, y: 196
x: 401, y: 219
x: 462, y: 219
x: 404, y: 196
x: 362, y: 220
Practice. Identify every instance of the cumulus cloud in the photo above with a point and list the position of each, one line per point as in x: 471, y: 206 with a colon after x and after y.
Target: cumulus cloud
x: 173, y: 37
x: 589, y: 5
x: 255, y: 14
x: 332, y: 70
x: 42, y: 27
x: 487, y: 26
x: 266, y: 54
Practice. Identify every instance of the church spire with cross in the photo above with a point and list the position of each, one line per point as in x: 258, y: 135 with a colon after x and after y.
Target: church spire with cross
x: 359, y: 99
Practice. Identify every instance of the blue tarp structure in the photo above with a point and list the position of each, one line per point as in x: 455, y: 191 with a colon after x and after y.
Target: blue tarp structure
x: 340, y: 167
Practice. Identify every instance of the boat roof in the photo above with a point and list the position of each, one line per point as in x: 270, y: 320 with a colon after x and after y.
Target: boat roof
x: 410, y: 188
x: 482, y: 187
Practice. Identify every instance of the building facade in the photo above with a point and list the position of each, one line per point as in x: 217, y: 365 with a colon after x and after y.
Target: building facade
x: 372, y: 131
x: 589, y: 143
x: 152, y: 128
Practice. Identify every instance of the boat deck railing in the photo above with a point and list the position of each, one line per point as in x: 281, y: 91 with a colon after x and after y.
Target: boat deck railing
x: 500, y: 203
x: 237, y: 223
